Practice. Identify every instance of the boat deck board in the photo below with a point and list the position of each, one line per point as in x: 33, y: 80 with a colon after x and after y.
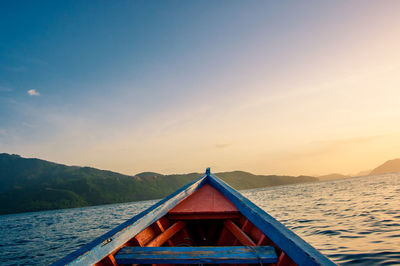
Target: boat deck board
x: 195, y: 255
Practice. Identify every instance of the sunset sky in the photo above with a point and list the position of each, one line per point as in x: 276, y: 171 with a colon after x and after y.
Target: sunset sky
x: 299, y: 87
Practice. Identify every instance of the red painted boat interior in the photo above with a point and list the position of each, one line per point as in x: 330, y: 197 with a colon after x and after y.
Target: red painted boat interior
x: 205, y: 200
x: 205, y: 218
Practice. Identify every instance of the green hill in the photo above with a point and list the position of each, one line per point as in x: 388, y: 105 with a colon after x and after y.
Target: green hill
x: 34, y: 184
x: 244, y: 180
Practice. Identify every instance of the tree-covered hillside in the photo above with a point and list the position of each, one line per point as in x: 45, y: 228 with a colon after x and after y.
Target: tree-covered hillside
x: 34, y: 184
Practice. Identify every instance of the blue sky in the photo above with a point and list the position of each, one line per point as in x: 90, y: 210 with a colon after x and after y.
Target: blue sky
x: 176, y: 86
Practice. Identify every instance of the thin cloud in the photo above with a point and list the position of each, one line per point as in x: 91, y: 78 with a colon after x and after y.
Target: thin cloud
x: 222, y: 145
x: 33, y: 92
x: 320, y: 148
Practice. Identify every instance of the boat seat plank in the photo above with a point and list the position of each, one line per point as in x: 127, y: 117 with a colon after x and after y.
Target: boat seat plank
x: 195, y: 255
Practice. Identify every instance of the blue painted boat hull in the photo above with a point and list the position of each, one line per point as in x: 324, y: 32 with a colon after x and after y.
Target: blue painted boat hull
x: 205, y: 213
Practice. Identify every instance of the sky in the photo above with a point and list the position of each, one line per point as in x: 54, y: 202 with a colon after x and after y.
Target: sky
x: 269, y: 87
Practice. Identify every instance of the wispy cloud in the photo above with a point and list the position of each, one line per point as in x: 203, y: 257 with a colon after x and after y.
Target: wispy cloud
x: 33, y: 92
x: 326, y: 147
x: 222, y: 145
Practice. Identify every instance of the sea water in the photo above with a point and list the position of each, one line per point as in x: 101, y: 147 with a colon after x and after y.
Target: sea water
x: 352, y: 221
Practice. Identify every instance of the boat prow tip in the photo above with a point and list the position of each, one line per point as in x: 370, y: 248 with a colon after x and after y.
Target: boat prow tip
x: 208, y: 171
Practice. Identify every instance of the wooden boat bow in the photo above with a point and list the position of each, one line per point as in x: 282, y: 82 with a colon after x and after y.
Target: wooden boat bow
x: 206, y: 221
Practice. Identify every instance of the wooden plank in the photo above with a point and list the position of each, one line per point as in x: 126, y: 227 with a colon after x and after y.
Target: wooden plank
x: 112, y: 259
x: 222, y: 237
x: 166, y: 235
x: 108, y: 261
x: 262, y: 238
x: 254, y: 233
x: 244, y: 227
x: 284, y: 260
x: 145, y: 236
x: 114, y: 239
x: 161, y: 224
x: 196, y: 255
x: 296, y: 248
x: 238, y: 233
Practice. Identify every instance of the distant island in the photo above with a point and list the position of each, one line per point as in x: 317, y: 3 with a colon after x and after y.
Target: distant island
x: 390, y: 166
x: 34, y: 185
x: 332, y: 177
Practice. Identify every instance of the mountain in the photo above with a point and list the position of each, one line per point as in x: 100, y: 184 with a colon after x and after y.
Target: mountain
x: 390, y: 166
x: 363, y: 173
x: 244, y: 180
x: 34, y: 184
x: 332, y: 177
